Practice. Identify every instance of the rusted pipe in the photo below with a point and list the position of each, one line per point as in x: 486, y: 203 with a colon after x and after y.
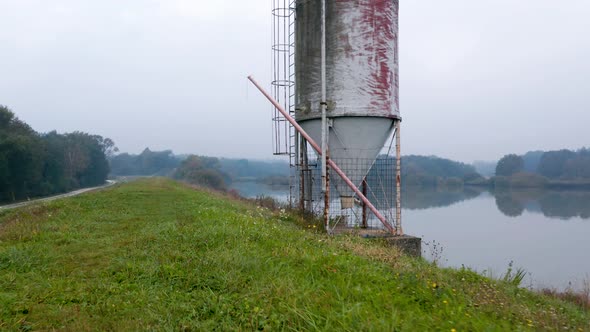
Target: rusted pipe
x: 331, y: 163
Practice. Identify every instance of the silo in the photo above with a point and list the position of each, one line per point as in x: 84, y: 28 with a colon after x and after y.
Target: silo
x: 362, y: 89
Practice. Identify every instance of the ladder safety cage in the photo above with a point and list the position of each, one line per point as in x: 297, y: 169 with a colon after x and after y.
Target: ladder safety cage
x: 283, y: 76
x: 284, y: 137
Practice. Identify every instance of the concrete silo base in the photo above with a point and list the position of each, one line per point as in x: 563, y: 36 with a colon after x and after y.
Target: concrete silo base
x: 410, y: 245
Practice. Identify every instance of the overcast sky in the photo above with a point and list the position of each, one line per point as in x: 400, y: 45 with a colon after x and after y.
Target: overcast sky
x: 479, y: 79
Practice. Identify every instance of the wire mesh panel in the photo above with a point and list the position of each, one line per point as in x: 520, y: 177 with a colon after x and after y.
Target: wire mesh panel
x: 378, y: 185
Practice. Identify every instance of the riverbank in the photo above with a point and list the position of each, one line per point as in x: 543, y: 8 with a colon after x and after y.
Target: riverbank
x: 156, y: 254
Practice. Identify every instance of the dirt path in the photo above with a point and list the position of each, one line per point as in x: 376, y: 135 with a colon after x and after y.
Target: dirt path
x: 52, y: 198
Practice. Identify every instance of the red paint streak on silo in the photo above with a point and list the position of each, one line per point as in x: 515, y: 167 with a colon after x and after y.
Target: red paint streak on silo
x: 379, y: 18
x: 362, y: 61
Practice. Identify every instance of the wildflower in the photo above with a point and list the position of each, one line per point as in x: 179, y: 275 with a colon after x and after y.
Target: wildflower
x: 434, y: 285
x: 453, y: 330
x: 445, y: 302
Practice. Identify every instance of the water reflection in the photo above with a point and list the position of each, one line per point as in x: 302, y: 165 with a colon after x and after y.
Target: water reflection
x: 252, y: 189
x: 552, y: 204
x: 414, y: 198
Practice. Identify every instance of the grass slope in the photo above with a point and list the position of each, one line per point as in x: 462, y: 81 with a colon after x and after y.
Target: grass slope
x: 155, y: 254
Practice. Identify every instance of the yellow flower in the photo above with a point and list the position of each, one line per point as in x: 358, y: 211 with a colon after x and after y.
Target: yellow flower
x: 453, y: 330
x: 445, y: 302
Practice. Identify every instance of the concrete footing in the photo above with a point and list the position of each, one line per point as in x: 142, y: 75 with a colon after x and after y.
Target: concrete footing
x: 410, y: 245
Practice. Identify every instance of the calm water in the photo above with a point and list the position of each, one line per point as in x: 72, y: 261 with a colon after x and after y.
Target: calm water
x: 487, y: 233
x: 545, y: 232
x: 252, y: 189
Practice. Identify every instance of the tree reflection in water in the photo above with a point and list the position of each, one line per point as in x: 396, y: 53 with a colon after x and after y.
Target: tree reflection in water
x: 552, y: 204
x: 417, y: 198
x: 512, y: 203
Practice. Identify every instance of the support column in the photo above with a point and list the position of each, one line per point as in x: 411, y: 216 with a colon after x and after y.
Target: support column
x: 327, y: 197
x: 365, y: 221
x: 398, y: 180
x: 325, y: 128
x: 302, y: 168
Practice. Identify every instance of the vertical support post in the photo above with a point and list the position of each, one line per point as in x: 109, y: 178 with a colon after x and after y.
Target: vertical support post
x: 398, y: 180
x: 301, y: 166
x: 293, y: 176
x: 365, y: 223
x: 327, y: 197
x: 325, y: 129
x: 323, y: 103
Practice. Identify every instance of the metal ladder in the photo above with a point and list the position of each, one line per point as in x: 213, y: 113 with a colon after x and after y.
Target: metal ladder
x: 283, y: 86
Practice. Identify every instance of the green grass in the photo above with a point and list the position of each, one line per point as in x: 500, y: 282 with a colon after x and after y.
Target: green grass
x: 158, y: 255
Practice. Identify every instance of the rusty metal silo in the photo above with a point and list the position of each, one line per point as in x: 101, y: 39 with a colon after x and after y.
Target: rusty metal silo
x: 361, y: 79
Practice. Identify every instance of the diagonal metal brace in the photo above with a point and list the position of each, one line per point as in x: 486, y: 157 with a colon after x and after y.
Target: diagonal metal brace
x: 331, y: 163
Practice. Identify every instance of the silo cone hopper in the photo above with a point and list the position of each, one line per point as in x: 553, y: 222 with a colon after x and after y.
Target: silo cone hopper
x: 354, y: 144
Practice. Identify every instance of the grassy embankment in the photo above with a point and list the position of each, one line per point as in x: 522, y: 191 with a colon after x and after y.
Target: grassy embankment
x: 155, y: 254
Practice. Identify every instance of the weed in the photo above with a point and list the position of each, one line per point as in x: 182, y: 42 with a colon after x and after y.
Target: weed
x: 580, y: 298
x: 436, y: 251
x: 514, y: 277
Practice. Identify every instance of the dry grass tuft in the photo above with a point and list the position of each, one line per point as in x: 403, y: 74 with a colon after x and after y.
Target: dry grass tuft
x: 580, y: 298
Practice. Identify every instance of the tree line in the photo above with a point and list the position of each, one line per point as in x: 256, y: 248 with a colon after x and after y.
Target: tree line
x: 560, y: 164
x: 426, y: 171
x: 216, y: 173
x: 539, y: 168
x: 34, y: 164
x: 161, y: 163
